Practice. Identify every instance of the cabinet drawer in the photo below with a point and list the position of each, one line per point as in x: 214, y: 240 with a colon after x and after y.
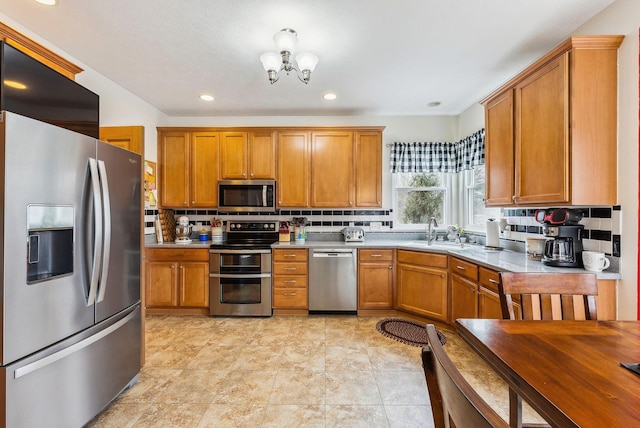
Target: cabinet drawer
x: 290, y: 298
x: 423, y: 259
x: 375, y: 255
x: 290, y: 281
x: 290, y: 255
x: 171, y: 254
x: 463, y: 268
x: 280, y: 268
x: 489, y: 279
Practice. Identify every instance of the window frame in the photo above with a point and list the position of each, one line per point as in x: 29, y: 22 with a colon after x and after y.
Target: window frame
x: 445, y: 187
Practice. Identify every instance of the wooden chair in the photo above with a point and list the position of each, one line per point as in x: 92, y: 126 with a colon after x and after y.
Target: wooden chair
x: 452, y: 397
x: 549, y: 296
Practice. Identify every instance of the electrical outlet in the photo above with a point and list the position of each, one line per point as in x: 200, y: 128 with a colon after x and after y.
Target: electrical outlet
x: 375, y: 225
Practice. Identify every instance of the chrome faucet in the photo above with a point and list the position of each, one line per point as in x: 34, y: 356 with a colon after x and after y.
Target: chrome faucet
x: 435, y: 224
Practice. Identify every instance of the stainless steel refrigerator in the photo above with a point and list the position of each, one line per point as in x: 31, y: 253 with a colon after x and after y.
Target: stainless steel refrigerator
x: 70, y: 265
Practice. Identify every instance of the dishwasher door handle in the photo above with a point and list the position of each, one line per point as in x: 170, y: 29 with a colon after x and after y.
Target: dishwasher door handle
x: 333, y: 255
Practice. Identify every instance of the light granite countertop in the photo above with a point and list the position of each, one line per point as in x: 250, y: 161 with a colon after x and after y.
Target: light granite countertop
x: 502, y: 260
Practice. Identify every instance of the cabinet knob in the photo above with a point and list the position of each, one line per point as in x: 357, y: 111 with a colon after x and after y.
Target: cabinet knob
x: 513, y: 197
x: 390, y: 267
x: 350, y: 203
x: 251, y: 175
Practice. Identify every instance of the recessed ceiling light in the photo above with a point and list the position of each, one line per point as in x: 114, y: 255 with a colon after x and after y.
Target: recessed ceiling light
x: 48, y: 2
x: 206, y: 97
x: 330, y: 96
x: 433, y: 104
x: 15, y: 85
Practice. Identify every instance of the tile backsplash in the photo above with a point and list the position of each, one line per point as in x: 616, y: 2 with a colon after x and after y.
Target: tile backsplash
x: 601, y: 233
x: 601, y: 227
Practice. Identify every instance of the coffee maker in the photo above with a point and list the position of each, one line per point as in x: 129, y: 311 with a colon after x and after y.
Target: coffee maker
x: 563, y: 246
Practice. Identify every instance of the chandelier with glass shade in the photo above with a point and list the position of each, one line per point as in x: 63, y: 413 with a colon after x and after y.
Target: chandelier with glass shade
x: 286, y: 41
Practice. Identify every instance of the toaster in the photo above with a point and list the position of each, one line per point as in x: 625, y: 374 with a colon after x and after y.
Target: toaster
x: 353, y: 234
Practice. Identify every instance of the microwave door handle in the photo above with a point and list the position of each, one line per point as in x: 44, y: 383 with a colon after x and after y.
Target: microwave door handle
x: 264, y: 195
x: 106, y: 250
x: 97, y: 245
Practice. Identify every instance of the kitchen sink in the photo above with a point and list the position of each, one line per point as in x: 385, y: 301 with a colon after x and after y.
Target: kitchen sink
x: 439, y: 245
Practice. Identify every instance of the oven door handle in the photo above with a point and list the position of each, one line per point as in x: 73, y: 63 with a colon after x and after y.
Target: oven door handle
x: 245, y: 251
x: 240, y: 275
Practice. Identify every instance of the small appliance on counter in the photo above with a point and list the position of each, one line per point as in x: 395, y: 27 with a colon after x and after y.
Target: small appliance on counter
x: 183, y: 231
x: 563, y: 247
x: 353, y: 234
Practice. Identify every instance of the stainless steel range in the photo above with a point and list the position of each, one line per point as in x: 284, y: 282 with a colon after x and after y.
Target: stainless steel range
x: 240, y: 270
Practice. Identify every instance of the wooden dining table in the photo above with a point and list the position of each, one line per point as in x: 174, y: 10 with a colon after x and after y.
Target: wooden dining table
x: 567, y: 371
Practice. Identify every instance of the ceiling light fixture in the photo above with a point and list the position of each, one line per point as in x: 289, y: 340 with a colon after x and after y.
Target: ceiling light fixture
x: 15, y: 85
x: 286, y: 41
x: 329, y: 96
x: 48, y: 2
x: 206, y: 97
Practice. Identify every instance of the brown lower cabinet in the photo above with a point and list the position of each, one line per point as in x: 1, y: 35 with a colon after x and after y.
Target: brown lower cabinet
x: 375, y: 279
x: 177, y: 281
x: 290, y: 280
x: 422, y: 284
x: 474, y: 292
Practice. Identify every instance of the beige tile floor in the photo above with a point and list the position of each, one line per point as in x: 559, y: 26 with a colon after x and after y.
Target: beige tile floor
x: 317, y: 371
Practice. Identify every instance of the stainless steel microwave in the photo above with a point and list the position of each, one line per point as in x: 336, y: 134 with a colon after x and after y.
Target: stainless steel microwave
x: 247, y: 195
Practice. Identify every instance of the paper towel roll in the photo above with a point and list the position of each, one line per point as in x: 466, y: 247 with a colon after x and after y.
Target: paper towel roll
x: 493, y: 233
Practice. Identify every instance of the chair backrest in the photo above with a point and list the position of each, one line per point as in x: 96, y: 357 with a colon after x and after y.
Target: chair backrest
x: 452, y: 398
x: 549, y: 296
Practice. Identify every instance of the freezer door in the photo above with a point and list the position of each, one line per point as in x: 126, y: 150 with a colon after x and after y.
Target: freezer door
x: 119, y: 285
x: 44, y: 166
x: 69, y: 383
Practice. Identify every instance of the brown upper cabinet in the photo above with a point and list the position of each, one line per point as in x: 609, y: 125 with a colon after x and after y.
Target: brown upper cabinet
x: 247, y: 155
x: 126, y: 137
x: 332, y: 169
x: 292, y: 180
x: 552, y: 130
x: 188, y: 168
x: 313, y: 167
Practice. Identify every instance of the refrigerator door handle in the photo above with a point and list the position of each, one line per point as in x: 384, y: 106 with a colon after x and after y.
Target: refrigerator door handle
x: 50, y: 359
x: 97, y: 246
x: 106, y: 250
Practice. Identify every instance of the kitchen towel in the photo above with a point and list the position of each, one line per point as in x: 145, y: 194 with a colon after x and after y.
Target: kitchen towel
x: 493, y: 234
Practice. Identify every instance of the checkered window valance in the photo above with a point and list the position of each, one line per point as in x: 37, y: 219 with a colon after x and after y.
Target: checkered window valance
x: 437, y: 156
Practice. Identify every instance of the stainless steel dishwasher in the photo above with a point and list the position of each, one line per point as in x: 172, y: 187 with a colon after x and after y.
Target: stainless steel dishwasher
x: 332, y: 280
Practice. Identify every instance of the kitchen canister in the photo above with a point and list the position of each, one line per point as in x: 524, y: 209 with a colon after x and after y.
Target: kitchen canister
x: 493, y: 233
x: 216, y: 234
x: 300, y: 233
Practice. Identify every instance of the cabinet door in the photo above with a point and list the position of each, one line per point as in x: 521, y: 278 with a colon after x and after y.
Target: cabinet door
x: 464, y: 298
x: 262, y: 161
x: 233, y: 155
x: 489, y: 305
x: 293, y: 169
x: 423, y: 291
x: 542, y: 135
x: 127, y: 137
x: 173, y: 159
x: 368, y: 169
x: 332, y: 169
x: 194, y: 284
x: 204, y: 169
x: 499, y: 170
x: 161, y: 284
x: 375, y: 285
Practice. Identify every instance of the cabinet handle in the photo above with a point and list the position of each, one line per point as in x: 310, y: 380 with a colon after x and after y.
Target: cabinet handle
x: 290, y: 281
x: 289, y: 294
x: 493, y: 281
x: 290, y: 268
x: 460, y: 267
x: 289, y: 255
x: 376, y: 255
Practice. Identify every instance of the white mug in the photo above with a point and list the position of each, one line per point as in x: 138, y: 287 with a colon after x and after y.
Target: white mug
x: 594, y: 261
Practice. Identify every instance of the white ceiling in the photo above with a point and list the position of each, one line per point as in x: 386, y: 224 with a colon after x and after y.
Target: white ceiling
x: 381, y: 57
